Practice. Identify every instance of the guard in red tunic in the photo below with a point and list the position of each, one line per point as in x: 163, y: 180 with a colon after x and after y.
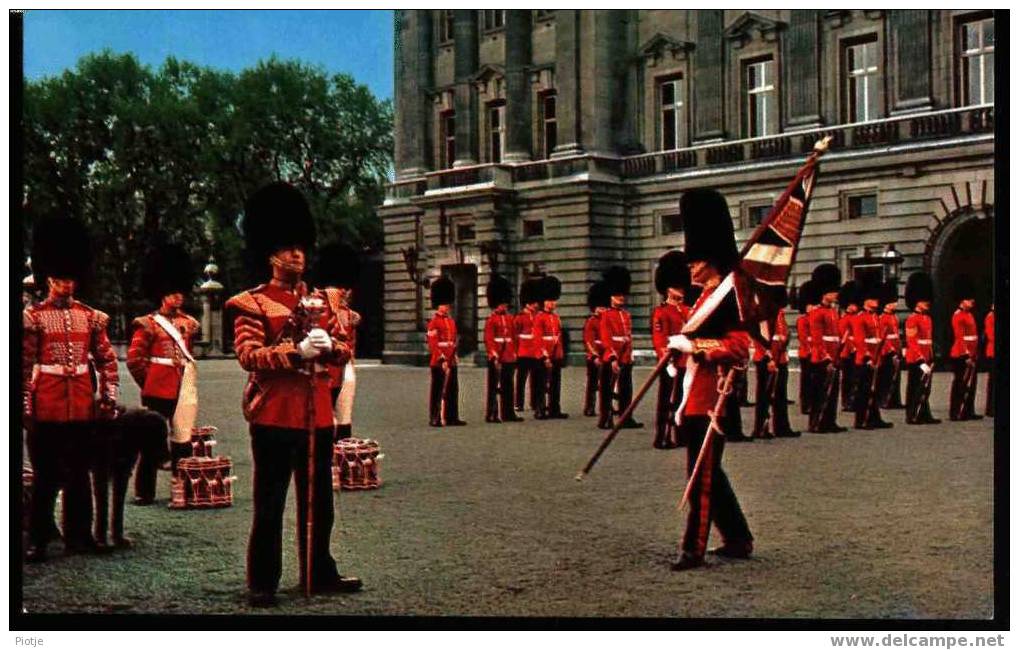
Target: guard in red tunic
x: 500, y: 348
x: 597, y: 302
x: 716, y: 342
x: 891, y: 351
x: 849, y: 302
x: 772, y: 364
x: 444, y: 396
x: 62, y: 336
x: 807, y: 300
x: 989, y: 353
x: 548, y: 330
x: 337, y: 273
x: 868, y: 339
x: 529, y: 368
x: 286, y: 337
x: 919, y: 349
x: 965, y: 348
x: 617, y: 361
x: 159, y: 353
x: 672, y: 279
x: 824, y: 346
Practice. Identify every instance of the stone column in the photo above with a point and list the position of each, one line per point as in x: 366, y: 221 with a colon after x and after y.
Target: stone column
x: 709, y: 76
x: 412, y: 69
x: 567, y: 50
x: 212, y: 309
x: 802, y: 43
x: 601, y: 89
x: 911, y: 36
x: 465, y: 55
x: 518, y: 86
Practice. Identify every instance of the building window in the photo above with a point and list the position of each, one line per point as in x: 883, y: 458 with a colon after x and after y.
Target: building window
x: 465, y: 232
x: 755, y: 214
x: 544, y: 14
x: 448, y: 120
x: 671, y: 114
x: 548, y: 118
x: 494, y: 19
x: 977, y: 65
x: 761, y: 107
x: 446, y: 26
x: 862, y: 82
x: 859, y: 206
x: 496, y: 132
x: 534, y: 228
x: 670, y: 224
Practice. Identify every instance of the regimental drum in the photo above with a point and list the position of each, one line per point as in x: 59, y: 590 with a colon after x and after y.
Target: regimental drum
x: 202, y: 441
x: 202, y: 482
x: 356, y: 464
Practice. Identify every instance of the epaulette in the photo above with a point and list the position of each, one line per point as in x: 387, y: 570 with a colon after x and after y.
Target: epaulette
x: 245, y: 301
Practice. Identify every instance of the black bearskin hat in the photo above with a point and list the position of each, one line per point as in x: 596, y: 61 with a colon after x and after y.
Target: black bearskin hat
x: 167, y: 269
x: 337, y: 265
x: 806, y: 295
x: 872, y: 290
x: 708, y: 229
x: 672, y: 272
x: 963, y: 288
x: 551, y: 288
x: 443, y: 291
x: 277, y: 216
x: 692, y: 295
x: 919, y: 287
x: 890, y: 292
x: 499, y: 291
x: 530, y: 291
x: 849, y: 294
x: 826, y: 278
x: 617, y: 281
x: 597, y: 295
x: 781, y: 296
x: 61, y: 248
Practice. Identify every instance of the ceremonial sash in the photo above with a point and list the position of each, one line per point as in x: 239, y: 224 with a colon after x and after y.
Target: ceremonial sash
x: 186, y: 413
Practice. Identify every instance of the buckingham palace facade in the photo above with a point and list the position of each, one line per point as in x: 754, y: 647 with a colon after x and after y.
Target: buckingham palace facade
x: 531, y: 141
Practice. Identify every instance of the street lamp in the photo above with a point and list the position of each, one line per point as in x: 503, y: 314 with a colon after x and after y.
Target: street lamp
x: 892, y: 261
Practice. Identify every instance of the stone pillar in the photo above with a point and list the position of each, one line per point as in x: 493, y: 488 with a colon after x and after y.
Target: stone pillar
x: 709, y: 76
x: 412, y: 64
x: 465, y: 55
x: 212, y: 309
x: 567, y: 50
x: 518, y: 86
x: 802, y: 78
x: 601, y: 89
x: 911, y: 36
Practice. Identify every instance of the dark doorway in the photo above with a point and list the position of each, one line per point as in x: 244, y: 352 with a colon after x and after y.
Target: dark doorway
x: 967, y: 251
x: 465, y: 305
x: 869, y: 274
x: 368, y: 301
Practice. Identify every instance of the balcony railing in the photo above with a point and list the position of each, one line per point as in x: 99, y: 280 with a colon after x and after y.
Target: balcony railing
x: 900, y: 129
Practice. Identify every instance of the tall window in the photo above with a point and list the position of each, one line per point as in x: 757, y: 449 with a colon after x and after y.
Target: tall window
x: 761, y: 107
x: 977, y: 65
x: 494, y: 18
x: 671, y: 116
x: 550, y: 134
x: 861, y: 75
x: 446, y: 26
x: 448, y: 120
x: 496, y: 132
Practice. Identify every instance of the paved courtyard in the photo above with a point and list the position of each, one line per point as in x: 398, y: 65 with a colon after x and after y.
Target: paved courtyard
x: 487, y: 520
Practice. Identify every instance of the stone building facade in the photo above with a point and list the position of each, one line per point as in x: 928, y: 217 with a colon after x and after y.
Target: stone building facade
x: 532, y: 142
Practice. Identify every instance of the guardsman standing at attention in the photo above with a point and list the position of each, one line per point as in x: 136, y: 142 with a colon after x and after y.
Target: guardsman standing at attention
x: 989, y: 353
x: 867, y: 335
x: 548, y: 330
x: 805, y: 304
x: 501, y: 351
x: 444, y: 398
x: 672, y: 280
x: 159, y: 359
x: 772, y: 364
x: 61, y: 337
x: 849, y: 301
x: 825, y: 339
x: 597, y: 302
x: 891, y: 353
x: 965, y: 348
x: 528, y: 348
x: 617, y: 362
x: 919, y: 349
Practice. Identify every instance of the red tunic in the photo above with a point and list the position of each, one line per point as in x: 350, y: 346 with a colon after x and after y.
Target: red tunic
x: 593, y: 346
x: 347, y: 321
x: 964, y: 331
x: 890, y: 333
x: 867, y: 332
x: 824, y: 334
x: 523, y: 327
x: 848, y: 350
x: 667, y: 320
x: 779, y: 341
x: 803, y: 335
x: 617, y: 335
x: 548, y: 329
x: 499, y: 337
x: 59, y: 342
x: 442, y: 339
x: 713, y: 358
x: 918, y: 338
x: 989, y: 334
x: 154, y: 359
x: 280, y: 383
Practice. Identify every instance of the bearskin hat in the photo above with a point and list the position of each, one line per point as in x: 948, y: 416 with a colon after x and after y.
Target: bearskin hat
x: 849, y: 294
x: 530, y: 291
x: 443, y: 291
x: 871, y: 289
x: 617, y: 281
x: 167, y: 269
x: 672, y: 271
x: 337, y: 265
x: 806, y: 295
x: 963, y: 288
x: 692, y: 295
x: 61, y: 248
x: 597, y: 295
x: 499, y: 291
x: 551, y: 288
x: 890, y: 292
x: 781, y: 296
x: 708, y: 229
x: 277, y: 216
x: 919, y: 287
x: 826, y: 278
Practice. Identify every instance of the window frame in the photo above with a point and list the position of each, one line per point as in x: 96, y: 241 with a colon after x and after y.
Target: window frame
x: 493, y: 20
x: 772, y: 122
x: 523, y: 228
x: 748, y: 207
x: 963, y: 54
x: 498, y: 107
x: 548, y: 147
x: 448, y: 155
x: 849, y: 195
x: 661, y: 219
x: 847, y: 77
x: 445, y: 31
x: 678, y: 106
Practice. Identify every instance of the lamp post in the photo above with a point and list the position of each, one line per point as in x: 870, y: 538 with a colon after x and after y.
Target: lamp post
x: 893, y: 262
x: 212, y: 314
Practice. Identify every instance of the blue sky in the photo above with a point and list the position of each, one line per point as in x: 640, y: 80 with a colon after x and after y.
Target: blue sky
x: 359, y: 43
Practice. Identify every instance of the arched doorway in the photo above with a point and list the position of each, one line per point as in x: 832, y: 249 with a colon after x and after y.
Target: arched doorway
x: 963, y: 244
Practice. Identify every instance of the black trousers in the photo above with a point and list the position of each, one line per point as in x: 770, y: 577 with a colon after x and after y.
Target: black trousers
x: 499, y: 390
x: 893, y: 393
x: 153, y: 449
x: 963, y: 394
x: 847, y: 367
x: 918, y: 407
x: 825, y: 402
x: 529, y: 370
x: 763, y: 399
x: 711, y: 498
x: 886, y: 381
x: 607, y: 389
x: 277, y: 453
x: 806, y: 383
x: 868, y: 400
x: 60, y: 453
x: 552, y: 388
x: 780, y: 406
x: 452, y: 398
x: 741, y: 388
x: 733, y: 416
x: 591, y: 386
x: 670, y: 394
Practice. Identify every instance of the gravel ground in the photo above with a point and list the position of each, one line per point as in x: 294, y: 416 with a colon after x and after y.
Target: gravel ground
x: 487, y: 520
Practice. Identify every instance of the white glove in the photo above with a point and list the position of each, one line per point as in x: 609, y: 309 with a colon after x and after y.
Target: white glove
x: 671, y: 370
x: 320, y: 339
x: 681, y: 343
x: 925, y: 368
x: 307, y: 349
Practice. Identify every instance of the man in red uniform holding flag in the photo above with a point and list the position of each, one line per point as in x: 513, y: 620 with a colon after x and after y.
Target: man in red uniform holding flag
x: 964, y: 351
x: 548, y: 330
x: 919, y: 349
x: 528, y: 347
x: 824, y: 345
x: 444, y: 396
x: 500, y: 348
x: 597, y: 302
x: 849, y: 302
x: 672, y: 279
x: 617, y: 361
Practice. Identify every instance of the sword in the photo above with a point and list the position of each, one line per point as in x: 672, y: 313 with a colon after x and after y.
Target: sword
x: 724, y: 388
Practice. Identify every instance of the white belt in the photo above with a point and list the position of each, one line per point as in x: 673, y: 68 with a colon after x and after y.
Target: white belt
x: 445, y: 344
x: 525, y: 336
x: 66, y: 371
x: 162, y: 361
x: 833, y: 339
x: 969, y: 338
x: 549, y: 338
x: 923, y: 341
x: 620, y: 338
x: 778, y: 338
x: 501, y: 340
x: 872, y: 340
x: 892, y: 337
x: 597, y: 342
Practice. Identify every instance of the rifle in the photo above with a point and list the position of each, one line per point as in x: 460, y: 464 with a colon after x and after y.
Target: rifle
x: 770, y: 389
x: 969, y: 383
x: 724, y: 388
x: 829, y: 385
x: 925, y: 392
x: 873, y: 393
x: 446, y: 382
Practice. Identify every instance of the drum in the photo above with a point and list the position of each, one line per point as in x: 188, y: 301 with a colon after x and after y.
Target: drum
x: 202, y: 441
x: 356, y: 464
x: 202, y: 482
